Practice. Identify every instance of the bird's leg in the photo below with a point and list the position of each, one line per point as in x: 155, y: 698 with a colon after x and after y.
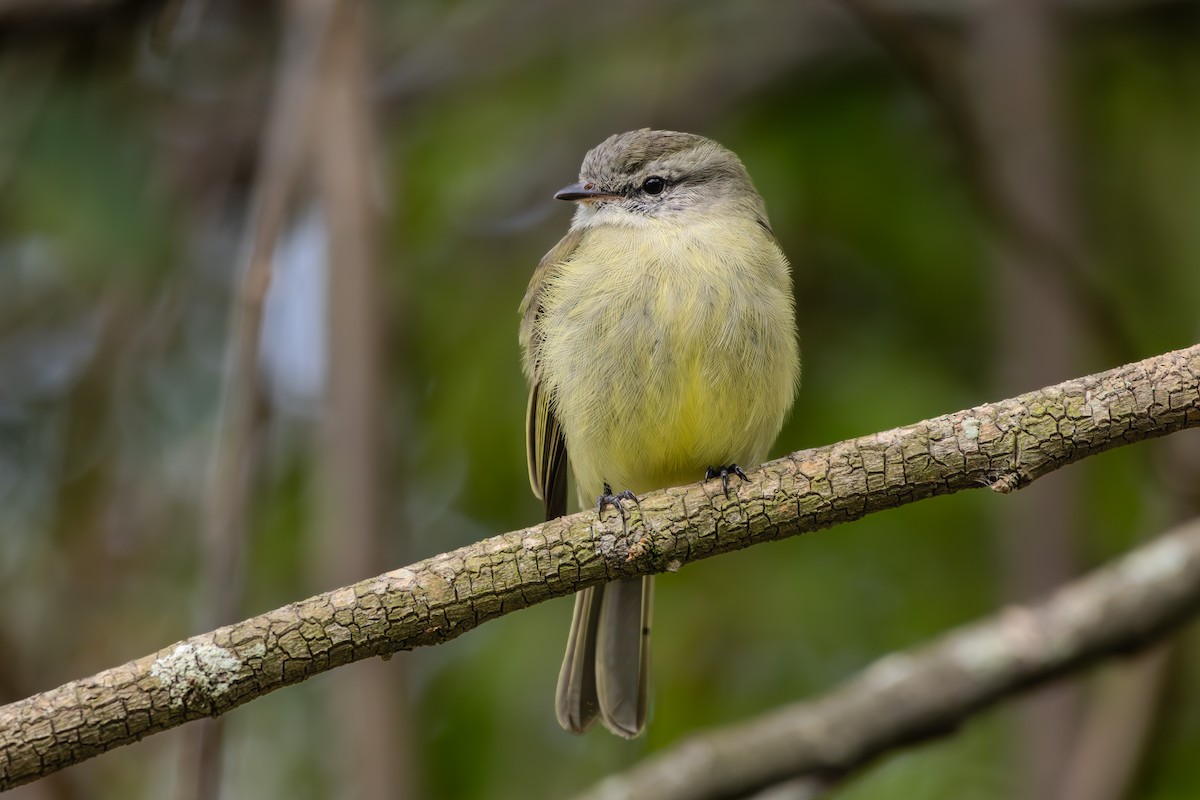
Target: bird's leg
x: 724, y: 473
x: 610, y: 499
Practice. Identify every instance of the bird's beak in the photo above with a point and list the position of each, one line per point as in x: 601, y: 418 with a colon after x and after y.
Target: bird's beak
x: 584, y: 190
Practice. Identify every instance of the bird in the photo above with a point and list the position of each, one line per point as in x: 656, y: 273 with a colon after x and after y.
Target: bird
x: 659, y: 340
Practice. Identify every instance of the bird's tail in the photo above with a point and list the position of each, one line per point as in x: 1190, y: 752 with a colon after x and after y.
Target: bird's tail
x: 606, y: 666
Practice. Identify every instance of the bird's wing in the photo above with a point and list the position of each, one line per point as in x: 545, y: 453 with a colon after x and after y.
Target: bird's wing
x: 546, y: 447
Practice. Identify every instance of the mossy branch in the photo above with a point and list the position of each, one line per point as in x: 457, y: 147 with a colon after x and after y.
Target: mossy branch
x: 1001, y: 445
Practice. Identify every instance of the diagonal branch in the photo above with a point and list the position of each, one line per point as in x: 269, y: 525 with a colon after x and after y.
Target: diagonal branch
x: 1003, y: 445
x: 909, y: 697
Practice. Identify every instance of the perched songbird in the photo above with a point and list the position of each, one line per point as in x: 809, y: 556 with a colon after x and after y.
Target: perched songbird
x: 659, y: 338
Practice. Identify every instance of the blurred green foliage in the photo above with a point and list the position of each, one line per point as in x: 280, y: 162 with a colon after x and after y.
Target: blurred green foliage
x: 123, y: 194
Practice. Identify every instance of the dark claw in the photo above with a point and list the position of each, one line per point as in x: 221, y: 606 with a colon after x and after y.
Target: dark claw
x: 614, y: 500
x: 724, y: 473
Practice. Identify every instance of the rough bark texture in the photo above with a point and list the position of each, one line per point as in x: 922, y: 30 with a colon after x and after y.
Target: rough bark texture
x: 1003, y: 445
x: 908, y: 697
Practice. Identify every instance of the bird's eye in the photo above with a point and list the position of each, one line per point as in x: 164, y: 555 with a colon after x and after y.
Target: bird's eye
x: 654, y: 185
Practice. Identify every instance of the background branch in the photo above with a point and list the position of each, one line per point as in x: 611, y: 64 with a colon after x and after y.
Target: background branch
x: 372, y: 742
x: 1019, y: 220
x: 240, y: 438
x: 931, y: 690
x: 1003, y: 445
x: 1013, y: 58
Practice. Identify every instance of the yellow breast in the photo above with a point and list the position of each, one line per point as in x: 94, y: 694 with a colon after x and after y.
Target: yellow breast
x: 668, y: 349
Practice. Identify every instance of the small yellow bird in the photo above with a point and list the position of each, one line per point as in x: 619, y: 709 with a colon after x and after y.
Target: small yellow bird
x: 659, y: 338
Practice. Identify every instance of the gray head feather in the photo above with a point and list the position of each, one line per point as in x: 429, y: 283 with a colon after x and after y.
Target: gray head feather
x: 699, y: 173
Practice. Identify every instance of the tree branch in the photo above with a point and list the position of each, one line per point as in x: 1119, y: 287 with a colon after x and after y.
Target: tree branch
x: 1003, y: 445
x: 909, y: 697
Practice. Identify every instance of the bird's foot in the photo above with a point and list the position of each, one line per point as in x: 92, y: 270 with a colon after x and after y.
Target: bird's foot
x: 723, y: 473
x: 614, y: 500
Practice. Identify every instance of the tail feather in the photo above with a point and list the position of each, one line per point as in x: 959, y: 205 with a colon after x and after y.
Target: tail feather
x: 575, y: 702
x: 606, y: 668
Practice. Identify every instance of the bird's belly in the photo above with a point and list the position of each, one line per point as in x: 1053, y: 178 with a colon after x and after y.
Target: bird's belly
x: 681, y: 422
x: 679, y: 380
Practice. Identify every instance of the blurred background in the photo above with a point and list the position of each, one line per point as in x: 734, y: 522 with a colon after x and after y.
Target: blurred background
x: 259, y: 272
